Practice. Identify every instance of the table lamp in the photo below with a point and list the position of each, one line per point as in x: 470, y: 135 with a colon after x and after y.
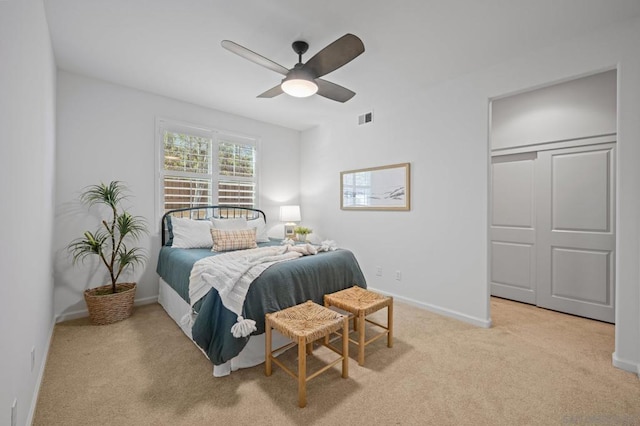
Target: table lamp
x: 289, y: 214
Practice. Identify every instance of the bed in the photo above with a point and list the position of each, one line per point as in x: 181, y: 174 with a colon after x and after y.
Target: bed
x: 282, y: 284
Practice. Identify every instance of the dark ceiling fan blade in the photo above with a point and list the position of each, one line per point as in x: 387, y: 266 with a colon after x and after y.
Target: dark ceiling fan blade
x: 272, y: 93
x: 335, y: 55
x: 333, y: 91
x: 253, y: 57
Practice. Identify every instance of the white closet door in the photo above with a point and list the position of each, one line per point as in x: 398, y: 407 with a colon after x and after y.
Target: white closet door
x: 513, y: 233
x: 575, y: 197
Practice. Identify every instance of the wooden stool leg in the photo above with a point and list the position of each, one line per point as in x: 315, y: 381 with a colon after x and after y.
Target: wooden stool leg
x: 267, y: 348
x: 361, y: 339
x: 326, y: 338
x: 302, y: 373
x: 390, y: 325
x: 309, y: 348
x: 345, y: 348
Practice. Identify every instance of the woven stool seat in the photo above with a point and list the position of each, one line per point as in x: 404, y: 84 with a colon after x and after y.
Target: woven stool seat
x: 304, y: 324
x: 361, y: 302
x: 308, y: 320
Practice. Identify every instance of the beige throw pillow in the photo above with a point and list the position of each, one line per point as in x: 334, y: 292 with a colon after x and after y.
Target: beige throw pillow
x: 233, y: 239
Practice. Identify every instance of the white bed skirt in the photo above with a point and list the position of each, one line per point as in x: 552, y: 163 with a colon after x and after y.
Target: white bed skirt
x: 250, y: 356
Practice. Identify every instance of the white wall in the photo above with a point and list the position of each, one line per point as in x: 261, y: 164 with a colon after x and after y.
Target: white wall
x: 106, y: 132
x: 580, y: 108
x: 440, y: 246
x: 27, y: 132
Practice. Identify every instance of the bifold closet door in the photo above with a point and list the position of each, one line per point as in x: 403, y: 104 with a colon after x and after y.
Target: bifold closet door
x: 513, y: 230
x: 575, y: 198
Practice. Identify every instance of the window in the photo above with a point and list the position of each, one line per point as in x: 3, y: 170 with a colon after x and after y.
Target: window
x: 200, y: 167
x: 236, y: 180
x: 356, y: 189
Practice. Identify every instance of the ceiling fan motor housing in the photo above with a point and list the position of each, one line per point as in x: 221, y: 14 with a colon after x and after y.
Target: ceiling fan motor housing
x: 298, y: 72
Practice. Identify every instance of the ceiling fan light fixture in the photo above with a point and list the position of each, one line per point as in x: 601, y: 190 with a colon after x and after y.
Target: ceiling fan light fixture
x: 299, y: 83
x: 299, y: 88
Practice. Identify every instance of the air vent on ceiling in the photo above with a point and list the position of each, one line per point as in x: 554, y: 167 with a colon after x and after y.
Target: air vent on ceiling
x: 365, y: 118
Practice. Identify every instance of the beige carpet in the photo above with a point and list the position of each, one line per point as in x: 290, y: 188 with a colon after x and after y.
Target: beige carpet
x: 532, y: 367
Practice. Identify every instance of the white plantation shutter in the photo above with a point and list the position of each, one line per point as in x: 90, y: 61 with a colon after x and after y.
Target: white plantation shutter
x: 200, y: 167
x: 182, y: 192
x: 236, y: 175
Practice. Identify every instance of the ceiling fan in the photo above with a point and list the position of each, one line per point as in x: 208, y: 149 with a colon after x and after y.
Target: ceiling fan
x: 304, y: 79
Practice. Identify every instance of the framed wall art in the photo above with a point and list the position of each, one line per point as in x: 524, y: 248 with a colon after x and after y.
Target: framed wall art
x: 376, y: 188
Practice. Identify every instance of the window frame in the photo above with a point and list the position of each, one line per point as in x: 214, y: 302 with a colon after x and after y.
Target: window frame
x: 217, y: 136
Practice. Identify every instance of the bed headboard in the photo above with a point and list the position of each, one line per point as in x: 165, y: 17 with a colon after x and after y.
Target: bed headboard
x: 207, y: 212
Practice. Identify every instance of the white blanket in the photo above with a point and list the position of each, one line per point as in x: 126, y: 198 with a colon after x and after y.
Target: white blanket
x: 231, y: 274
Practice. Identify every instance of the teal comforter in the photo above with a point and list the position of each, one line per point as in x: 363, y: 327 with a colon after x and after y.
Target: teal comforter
x: 282, y: 285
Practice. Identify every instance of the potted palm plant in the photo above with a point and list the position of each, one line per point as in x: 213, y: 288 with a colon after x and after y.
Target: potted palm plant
x: 112, y: 302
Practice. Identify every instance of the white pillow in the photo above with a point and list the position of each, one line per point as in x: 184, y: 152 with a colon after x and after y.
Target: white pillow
x: 188, y: 233
x: 235, y: 223
x: 261, y: 230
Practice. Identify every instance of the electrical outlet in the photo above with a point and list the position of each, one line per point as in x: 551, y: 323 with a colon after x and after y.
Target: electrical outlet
x: 379, y: 271
x: 398, y: 276
x: 14, y: 412
x: 33, y: 358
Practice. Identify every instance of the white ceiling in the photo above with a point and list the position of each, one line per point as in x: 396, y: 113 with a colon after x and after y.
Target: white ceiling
x: 172, y: 47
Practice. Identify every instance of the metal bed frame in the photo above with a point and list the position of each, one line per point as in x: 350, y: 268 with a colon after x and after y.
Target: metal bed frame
x: 208, y: 212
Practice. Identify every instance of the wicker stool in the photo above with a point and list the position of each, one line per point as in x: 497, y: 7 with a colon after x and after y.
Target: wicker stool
x: 304, y: 324
x: 360, y: 302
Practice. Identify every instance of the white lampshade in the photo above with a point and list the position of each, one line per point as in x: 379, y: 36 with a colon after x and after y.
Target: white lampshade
x: 290, y: 213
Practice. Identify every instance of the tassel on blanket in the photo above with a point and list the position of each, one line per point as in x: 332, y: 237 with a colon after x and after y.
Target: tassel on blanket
x: 243, y: 327
x: 189, y: 318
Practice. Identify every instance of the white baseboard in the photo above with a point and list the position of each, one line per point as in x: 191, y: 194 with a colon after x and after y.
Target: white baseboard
x: 625, y: 364
x: 146, y: 300
x: 85, y: 313
x: 478, y: 322
x: 43, y: 363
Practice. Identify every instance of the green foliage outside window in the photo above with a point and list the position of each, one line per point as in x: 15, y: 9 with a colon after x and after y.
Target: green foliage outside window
x: 190, y: 176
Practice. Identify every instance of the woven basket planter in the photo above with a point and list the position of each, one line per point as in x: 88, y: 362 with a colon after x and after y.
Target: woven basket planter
x: 109, y: 308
